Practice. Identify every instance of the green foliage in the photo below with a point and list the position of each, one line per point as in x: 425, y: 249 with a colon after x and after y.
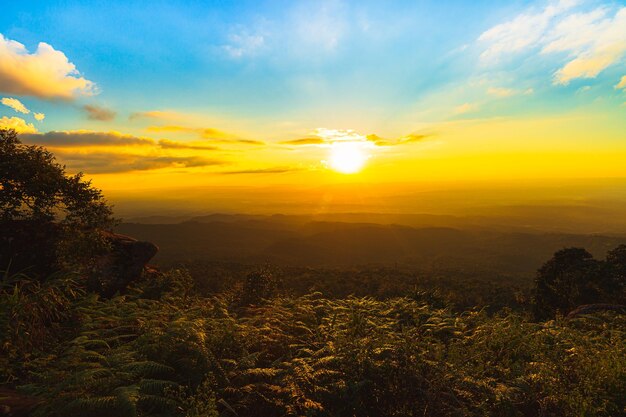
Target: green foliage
x: 258, y: 285
x: 573, y: 278
x: 173, y: 354
x: 452, y: 286
x: 32, y: 313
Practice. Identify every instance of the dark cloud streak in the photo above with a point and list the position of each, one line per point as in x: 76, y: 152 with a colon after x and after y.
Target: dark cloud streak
x: 84, y: 138
x: 276, y: 170
x: 99, y: 113
x: 108, y: 163
x: 304, y: 141
x: 170, y: 144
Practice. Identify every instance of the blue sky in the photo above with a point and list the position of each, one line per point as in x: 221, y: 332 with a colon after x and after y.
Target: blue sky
x: 253, y: 57
x: 275, y: 71
x: 262, y: 58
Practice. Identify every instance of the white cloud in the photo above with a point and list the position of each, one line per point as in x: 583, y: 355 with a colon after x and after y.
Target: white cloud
x: 18, y: 124
x: 592, y: 40
x: 244, y: 44
x: 501, y: 92
x: 305, y: 30
x: 589, y: 41
x: 319, y: 26
x: 45, y: 73
x: 621, y: 84
x: 39, y: 116
x: 15, y: 104
x: 466, y: 108
x: 522, y: 32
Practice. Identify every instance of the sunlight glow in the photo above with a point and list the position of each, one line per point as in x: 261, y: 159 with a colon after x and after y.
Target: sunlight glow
x: 347, y: 157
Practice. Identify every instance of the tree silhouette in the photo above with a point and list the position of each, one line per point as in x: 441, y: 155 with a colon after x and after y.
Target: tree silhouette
x: 615, y: 278
x: 33, y: 186
x: 257, y: 286
x: 47, y: 216
x: 566, y: 281
x: 573, y: 278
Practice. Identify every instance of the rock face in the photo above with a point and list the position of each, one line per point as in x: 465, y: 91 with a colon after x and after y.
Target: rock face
x: 592, y: 308
x: 30, y: 247
x: 123, y: 264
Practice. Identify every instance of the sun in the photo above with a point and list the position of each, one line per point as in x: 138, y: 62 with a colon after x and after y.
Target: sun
x: 347, y: 157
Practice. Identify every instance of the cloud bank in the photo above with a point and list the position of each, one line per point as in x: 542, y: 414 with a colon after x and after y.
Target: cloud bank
x: 113, y: 152
x: 83, y: 138
x: 112, y: 163
x: 586, y: 41
x: 206, y: 133
x: 45, y: 73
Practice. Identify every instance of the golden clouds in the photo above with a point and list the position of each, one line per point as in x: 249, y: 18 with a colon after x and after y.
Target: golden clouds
x: 83, y: 138
x: 410, y: 138
x: 17, y: 124
x: 304, y: 141
x: 15, y: 104
x: 170, y: 144
x: 466, y: 108
x: 274, y: 170
x: 19, y: 107
x: 211, y: 134
x: 323, y: 137
x: 115, y: 152
x: 45, y: 73
x: 109, y: 162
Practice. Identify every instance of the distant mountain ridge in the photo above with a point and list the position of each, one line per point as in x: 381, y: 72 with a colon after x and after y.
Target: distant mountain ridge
x: 578, y: 219
x: 293, y: 240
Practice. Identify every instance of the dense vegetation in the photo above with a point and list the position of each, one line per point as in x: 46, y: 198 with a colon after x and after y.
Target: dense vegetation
x: 299, y: 342
x: 456, y: 288
x: 160, y: 350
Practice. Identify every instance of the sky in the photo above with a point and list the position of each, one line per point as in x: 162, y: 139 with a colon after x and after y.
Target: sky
x: 271, y: 97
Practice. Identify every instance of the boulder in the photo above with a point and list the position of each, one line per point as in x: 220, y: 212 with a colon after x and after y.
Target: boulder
x: 122, y: 264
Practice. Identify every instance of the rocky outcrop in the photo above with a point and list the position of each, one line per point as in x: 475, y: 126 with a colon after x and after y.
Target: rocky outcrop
x: 32, y: 247
x: 593, y: 308
x: 122, y: 264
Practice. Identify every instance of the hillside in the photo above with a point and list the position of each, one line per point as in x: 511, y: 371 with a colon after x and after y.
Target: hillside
x: 294, y: 241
